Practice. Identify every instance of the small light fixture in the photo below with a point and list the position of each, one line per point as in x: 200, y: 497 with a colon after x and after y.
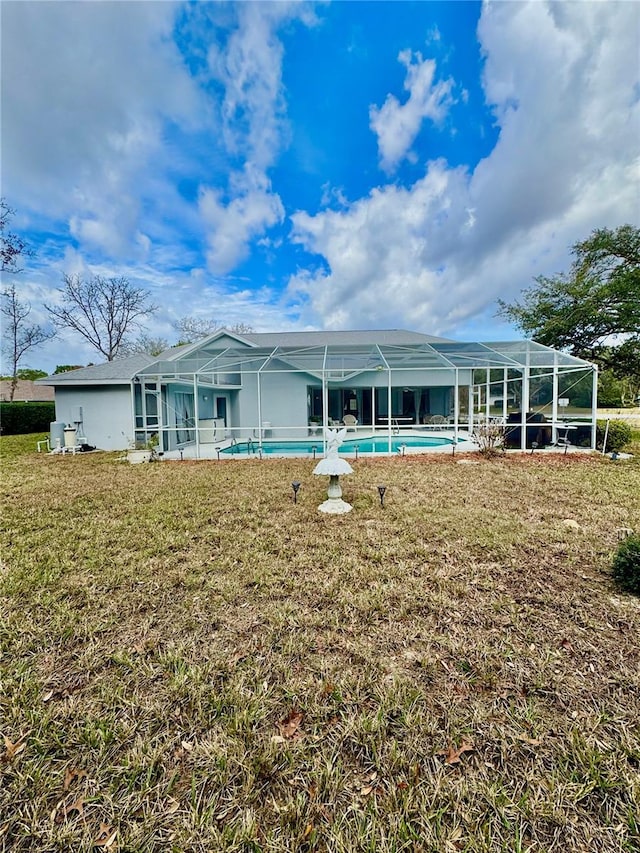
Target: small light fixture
x: 381, y: 491
x: 218, y: 452
x: 313, y: 449
x: 403, y: 447
x: 534, y: 446
x: 295, y: 486
x: 357, y: 448
x: 181, y: 454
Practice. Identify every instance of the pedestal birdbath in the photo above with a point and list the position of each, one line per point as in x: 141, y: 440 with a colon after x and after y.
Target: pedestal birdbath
x: 333, y: 465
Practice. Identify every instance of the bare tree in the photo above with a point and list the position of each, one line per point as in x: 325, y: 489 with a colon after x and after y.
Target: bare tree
x: 19, y: 336
x: 12, y: 247
x: 101, y: 310
x: 192, y: 329
x: 144, y: 344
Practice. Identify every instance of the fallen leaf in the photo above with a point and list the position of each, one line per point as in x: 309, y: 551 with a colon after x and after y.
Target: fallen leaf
x: 452, y: 754
x: 172, y: 806
x: 76, y: 806
x: 364, y: 792
x: 13, y: 749
x: 70, y: 776
x: 62, y: 811
x: 188, y: 747
x: 47, y: 696
x: 105, y: 837
x: 533, y: 741
x: 308, y: 831
x: 565, y: 644
x: 289, y: 727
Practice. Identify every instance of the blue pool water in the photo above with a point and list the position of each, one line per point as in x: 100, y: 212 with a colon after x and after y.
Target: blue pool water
x: 379, y: 444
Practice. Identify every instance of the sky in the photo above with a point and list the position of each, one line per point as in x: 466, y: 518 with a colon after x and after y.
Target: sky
x: 300, y: 165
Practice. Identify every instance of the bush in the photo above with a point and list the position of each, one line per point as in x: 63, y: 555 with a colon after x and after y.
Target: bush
x: 490, y: 438
x: 618, y: 436
x: 23, y: 418
x: 626, y: 564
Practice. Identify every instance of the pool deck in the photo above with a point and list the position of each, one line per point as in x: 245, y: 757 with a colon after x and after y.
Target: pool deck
x: 213, y: 451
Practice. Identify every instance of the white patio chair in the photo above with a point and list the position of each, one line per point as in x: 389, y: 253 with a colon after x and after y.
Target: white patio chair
x: 350, y: 421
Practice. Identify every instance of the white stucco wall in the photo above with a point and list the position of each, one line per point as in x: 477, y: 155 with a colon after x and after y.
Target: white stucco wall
x: 106, y: 411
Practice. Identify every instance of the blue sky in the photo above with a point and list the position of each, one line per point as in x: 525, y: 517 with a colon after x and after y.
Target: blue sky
x: 316, y: 165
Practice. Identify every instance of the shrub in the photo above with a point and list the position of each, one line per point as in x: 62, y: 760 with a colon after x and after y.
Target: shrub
x: 626, y: 564
x: 618, y: 436
x: 490, y: 438
x: 23, y: 418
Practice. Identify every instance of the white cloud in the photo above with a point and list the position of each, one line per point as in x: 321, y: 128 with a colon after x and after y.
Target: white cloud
x: 234, y: 224
x: 562, y: 80
x: 249, y: 67
x: 397, y: 125
x: 86, y: 88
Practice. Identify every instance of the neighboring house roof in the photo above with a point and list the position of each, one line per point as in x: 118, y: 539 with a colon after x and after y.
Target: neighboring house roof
x: 26, y: 391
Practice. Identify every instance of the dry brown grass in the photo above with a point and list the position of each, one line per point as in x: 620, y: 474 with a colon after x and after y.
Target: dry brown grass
x: 195, y: 663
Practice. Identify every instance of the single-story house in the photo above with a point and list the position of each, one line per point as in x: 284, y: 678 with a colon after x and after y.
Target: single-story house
x: 285, y: 386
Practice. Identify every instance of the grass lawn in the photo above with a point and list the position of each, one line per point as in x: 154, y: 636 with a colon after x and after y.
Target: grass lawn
x: 191, y: 662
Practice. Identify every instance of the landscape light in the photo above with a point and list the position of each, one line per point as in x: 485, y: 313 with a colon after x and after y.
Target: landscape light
x: 381, y: 491
x: 534, y: 446
x: 218, y: 452
x: 295, y: 486
x: 357, y: 448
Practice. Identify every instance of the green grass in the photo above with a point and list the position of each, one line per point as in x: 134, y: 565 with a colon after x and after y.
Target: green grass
x: 197, y: 664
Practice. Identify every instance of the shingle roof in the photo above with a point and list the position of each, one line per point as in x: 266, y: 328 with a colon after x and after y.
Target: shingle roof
x: 118, y: 371
x: 122, y: 370
x: 26, y: 391
x: 389, y: 337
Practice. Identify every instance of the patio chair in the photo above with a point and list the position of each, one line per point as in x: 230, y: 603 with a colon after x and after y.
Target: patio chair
x: 438, y: 421
x: 350, y: 421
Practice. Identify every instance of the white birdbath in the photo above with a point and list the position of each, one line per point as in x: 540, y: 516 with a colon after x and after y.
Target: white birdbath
x: 333, y: 465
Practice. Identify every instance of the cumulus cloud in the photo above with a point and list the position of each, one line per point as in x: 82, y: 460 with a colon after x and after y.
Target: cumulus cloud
x: 235, y: 223
x: 86, y: 90
x: 397, y: 125
x: 562, y: 81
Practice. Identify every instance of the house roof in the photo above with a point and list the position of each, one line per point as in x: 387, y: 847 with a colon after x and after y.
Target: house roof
x: 120, y: 371
x: 388, y: 337
x: 351, y: 352
x: 26, y: 391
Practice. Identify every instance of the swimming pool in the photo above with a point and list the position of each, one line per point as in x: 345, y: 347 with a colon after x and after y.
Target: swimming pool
x: 371, y: 444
